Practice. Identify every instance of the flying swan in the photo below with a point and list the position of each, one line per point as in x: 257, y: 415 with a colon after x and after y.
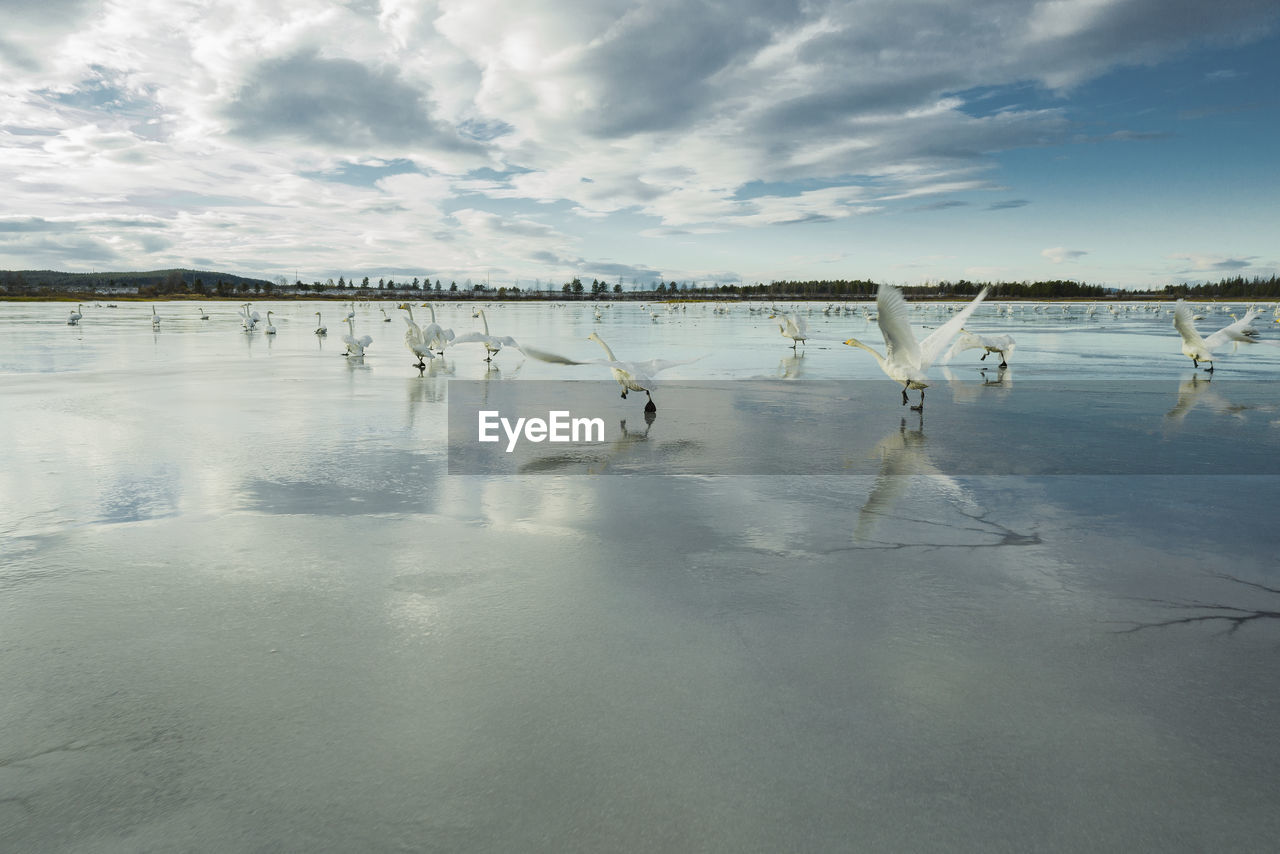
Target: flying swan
x: 1002, y: 345
x: 632, y: 376
x: 906, y: 360
x: 1199, y: 349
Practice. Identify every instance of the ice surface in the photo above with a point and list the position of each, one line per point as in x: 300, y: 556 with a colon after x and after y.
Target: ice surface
x: 244, y: 607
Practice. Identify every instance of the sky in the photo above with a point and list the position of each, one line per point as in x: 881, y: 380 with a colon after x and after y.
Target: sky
x: 1121, y: 142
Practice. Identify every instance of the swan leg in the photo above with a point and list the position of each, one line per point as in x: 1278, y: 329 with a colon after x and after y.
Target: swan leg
x: 1210, y: 368
x: 904, y: 395
x: 984, y: 356
x: 624, y: 392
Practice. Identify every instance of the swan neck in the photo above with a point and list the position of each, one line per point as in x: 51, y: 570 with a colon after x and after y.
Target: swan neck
x: 607, y: 351
x: 856, y: 343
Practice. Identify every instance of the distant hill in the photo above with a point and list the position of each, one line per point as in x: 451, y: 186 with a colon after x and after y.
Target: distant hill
x: 151, y: 282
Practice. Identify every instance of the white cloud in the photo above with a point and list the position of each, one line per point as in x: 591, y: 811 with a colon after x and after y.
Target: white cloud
x: 228, y: 121
x: 1061, y: 254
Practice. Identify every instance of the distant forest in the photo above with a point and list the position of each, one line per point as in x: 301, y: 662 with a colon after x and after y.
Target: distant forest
x: 51, y: 284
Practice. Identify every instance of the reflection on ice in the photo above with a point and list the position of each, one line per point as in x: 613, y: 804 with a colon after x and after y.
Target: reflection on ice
x: 1194, y: 391
x: 233, y: 581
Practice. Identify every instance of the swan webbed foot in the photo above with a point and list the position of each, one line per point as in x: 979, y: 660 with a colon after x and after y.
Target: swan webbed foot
x: 984, y: 357
x: 1004, y: 364
x: 649, y: 407
x: 1210, y: 368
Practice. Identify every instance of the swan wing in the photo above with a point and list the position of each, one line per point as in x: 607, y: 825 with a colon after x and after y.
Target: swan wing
x: 1184, y: 322
x: 557, y: 359
x: 895, y: 324
x: 471, y: 338
x: 932, y: 346
x: 964, y: 341
x: 654, y: 366
x: 1241, y: 331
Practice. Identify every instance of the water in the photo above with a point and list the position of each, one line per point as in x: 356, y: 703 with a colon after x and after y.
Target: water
x: 244, y: 607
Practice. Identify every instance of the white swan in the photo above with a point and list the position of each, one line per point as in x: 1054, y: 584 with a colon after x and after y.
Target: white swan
x: 155, y: 318
x: 249, y: 319
x: 355, y: 346
x: 75, y: 316
x: 493, y: 344
x: 1199, y: 349
x: 437, y: 337
x: 385, y: 318
x: 203, y: 316
x: 270, y: 330
x: 632, y: 376
x: 1000, y: 344
x: 421, y: 340
x: 906, y: 360
x: 793, y: 326
x: 321, y: 329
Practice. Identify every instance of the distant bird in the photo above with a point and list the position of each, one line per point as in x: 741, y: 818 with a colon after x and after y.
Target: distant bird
x: 270, y: 330
x: 203, y: 316
x: 493, y: 344
x: 1199, y: 349
x: 355, y: 346
x: 75, y: 316
x: 321, y: 329
x: 385, y: 318
x: 907, y: 361
x: 632, y: 376
x: 155, y: 318
x: 1000, y: 344
x: 793, y: 326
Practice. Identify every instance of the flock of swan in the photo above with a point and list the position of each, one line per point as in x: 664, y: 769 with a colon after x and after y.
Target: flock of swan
x: 906, y: 360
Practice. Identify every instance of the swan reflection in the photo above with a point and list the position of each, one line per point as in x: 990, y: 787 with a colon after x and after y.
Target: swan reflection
x: 1195, y: 391
x: 904, y: 460
x: 998, y: 380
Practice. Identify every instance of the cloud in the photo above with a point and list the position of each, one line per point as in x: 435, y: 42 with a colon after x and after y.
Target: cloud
x: 338, y: 103
x: 1007, y: 205
x: 941, y: 206
x: 1060, y: 254
x: 1200, y: 263
x: 363, y: 134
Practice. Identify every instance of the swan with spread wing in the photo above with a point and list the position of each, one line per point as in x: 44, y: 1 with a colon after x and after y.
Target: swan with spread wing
x: 632, y: 376
x: 1199, y: 349
x: 905, y: 359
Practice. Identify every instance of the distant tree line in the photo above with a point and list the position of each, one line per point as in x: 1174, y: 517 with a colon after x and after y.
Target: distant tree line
x: 195, y: 283
x: 1234, y: 288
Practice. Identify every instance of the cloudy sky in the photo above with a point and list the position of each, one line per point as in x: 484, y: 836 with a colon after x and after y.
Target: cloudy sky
x: 1127, y: 142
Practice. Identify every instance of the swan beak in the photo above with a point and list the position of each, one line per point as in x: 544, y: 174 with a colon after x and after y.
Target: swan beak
x: 852, y: 341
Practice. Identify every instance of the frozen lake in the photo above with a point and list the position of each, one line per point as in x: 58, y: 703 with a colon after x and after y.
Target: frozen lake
x: 244, y: 606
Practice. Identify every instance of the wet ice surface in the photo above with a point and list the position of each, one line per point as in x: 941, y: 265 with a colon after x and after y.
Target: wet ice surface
x: 244, y: 607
